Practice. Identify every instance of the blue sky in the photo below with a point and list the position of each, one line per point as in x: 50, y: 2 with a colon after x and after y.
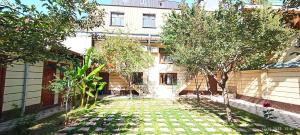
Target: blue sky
x: 209, y: 4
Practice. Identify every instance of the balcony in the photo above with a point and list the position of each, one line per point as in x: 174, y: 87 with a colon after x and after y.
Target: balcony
x: 258, y: 2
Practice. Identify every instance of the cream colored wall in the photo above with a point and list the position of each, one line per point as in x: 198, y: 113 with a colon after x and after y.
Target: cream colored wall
x: 14, y: 85
x: 282, y: 85
x: 133, y: 19
x: 192, y: 85
x: 116, y: 82
x: 160, y: 90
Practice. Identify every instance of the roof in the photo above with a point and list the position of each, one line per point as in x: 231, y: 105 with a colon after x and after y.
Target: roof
x: 165, y: 4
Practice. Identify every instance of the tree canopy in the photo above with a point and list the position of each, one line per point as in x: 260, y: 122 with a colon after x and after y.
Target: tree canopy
x: 228, y: 39
x: 125, y: 56
x: 30, y: 35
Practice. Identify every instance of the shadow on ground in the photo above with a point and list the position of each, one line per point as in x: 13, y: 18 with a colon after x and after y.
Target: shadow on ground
x: 108, y: 123
x: 244, y: 122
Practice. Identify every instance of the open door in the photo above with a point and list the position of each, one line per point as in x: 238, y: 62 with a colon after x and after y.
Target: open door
x: 213, y: 84
x: 105, y: 77
x: 2, y: 84
x: 47, y: 98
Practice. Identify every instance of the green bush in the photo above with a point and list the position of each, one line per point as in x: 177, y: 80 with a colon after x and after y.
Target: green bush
x: 23, y: 123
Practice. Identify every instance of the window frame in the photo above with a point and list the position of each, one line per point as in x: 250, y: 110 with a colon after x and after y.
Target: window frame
x: 164, y: 76
x: 149, y: 26
x: 163, y: 54
x: 111, y: 19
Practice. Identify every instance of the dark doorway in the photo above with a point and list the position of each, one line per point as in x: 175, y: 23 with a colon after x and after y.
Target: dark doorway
x: 105, y: 77
x: 2, y: 84
x: 47, y: 98
x: 213, y: 85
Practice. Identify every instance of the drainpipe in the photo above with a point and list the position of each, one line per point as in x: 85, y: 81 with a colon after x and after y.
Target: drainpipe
x: 24, y: 90
x: 149, y: 41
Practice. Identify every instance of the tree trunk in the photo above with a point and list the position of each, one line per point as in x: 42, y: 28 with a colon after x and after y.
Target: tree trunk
x: 208, y: 85
x: 128, y: 78
x: 74, y: 97
x: 130, y: 91
x: 82, y: 100
x: 222, y: 84
x: 66, y: 105
x: 96, y: 96
x: 88, y: 98
x: 197, y: 88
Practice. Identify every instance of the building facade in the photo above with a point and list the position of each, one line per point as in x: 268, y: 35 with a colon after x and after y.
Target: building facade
x: 143, y: 23
x: 26, y: 86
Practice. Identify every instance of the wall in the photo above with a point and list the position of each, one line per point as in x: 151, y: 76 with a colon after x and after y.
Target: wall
x: 152, y: 78
x: 116, y: 83
x: 133, y: 19
x: 14, y: 84
x: 282, y: 85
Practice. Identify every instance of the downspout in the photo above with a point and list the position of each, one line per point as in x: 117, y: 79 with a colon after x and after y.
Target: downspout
x: 24, y: 90
x: 149, y: 41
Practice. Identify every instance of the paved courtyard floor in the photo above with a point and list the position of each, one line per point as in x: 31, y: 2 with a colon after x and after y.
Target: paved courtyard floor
x: 146, y: 116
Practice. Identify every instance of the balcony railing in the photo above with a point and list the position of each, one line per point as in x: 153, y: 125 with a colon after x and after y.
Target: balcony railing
x: 258, y: 2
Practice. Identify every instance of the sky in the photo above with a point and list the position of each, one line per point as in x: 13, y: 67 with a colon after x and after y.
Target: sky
x: 209, y: 4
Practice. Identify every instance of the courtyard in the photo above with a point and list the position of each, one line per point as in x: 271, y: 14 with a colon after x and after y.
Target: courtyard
x: 149, y: 116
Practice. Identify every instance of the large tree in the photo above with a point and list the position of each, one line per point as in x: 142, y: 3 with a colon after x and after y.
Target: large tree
x: 30, y: 35
x: 228, y: 39
x: 125, y: 56
x: 185, y: 39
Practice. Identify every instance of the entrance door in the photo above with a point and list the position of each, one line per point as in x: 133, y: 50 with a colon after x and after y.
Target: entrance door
x: 105, y: 77
x: 2, y: 83
x: 48, y: 75
x: 213, y: 85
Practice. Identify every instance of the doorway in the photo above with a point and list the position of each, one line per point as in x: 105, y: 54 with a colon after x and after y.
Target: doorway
x: 49, y: 72
x: 105, y: 76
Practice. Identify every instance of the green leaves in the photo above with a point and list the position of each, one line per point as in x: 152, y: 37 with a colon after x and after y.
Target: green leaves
x: 102, y: 84
x: 197, y: 39
x: 90, y: 94
x: 96, y: 71
x: 30, y: 35
x: 125, y: 55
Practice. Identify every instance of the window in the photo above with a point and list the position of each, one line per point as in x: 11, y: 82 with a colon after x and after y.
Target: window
x: 148, y: 21
x: 168, y: 78
x: 165, y: 58
x: 137, y: 78
x: 117, y: 19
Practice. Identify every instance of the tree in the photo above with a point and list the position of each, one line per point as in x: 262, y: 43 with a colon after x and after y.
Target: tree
x: 76, y: 77
x: 30, y: 35
x: 125, y: 56
x: 185, y: 43
x: 231, y: 38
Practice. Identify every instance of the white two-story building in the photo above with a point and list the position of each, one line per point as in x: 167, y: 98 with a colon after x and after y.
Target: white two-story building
x: 143, y: 20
